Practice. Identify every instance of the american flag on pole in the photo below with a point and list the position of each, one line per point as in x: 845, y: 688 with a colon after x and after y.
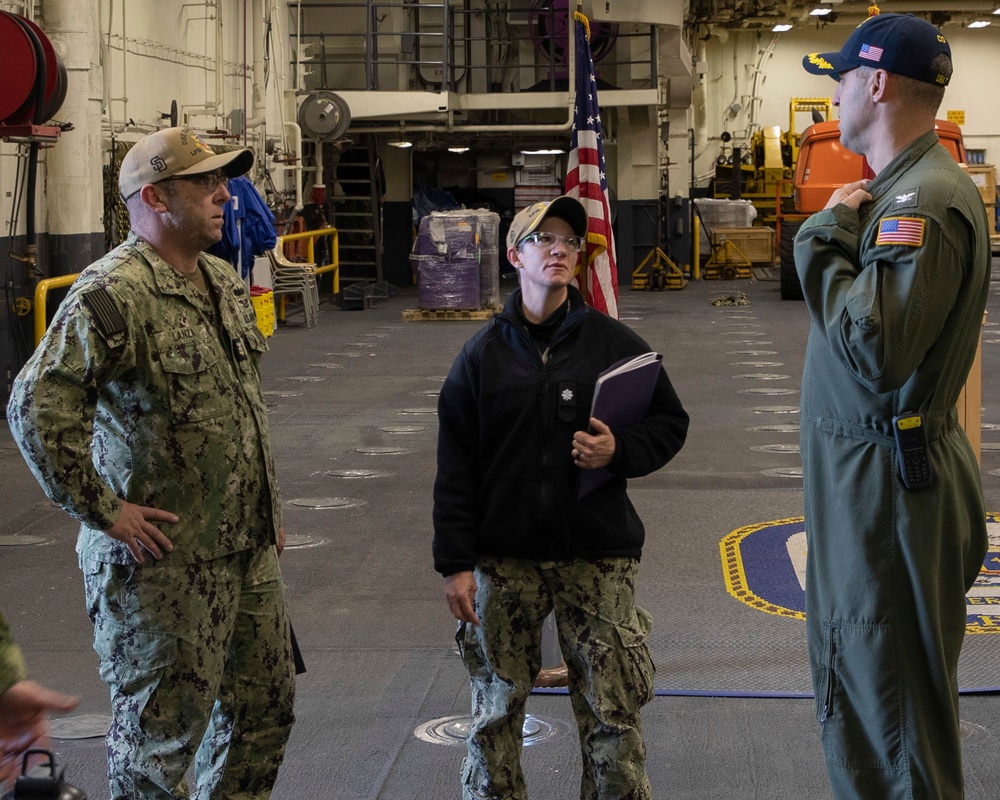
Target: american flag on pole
x: 587, y: 181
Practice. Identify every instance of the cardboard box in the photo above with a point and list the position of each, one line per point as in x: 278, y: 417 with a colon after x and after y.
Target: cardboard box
x: 715, y: 214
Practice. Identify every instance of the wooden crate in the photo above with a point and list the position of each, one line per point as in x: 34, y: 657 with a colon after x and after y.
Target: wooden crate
x: 985, y: 178
x: 756, y: 243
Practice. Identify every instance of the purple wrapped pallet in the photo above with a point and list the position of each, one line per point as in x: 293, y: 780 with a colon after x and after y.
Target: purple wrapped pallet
x: 446, y: 257
x: 448, y: 284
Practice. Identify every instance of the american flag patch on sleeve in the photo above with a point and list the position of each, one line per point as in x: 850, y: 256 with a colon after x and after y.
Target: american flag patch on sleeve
x: 901, y: 230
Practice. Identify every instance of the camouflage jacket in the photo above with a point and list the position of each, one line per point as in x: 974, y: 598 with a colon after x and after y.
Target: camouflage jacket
x: 145, y: 389
x: 11, y: 663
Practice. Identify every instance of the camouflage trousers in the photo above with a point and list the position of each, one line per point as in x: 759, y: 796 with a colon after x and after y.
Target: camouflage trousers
x: 602, y: 634
x: 198, y: 658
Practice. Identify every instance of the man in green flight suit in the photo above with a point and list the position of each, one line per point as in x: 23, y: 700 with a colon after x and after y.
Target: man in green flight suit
x: 895, y: 273
x: 141, y: 414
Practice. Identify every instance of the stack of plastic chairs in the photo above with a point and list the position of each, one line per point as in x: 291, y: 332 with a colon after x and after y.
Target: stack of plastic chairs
x: 290, y: 277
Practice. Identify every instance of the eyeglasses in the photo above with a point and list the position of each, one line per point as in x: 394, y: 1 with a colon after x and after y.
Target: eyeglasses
x: 209, y: 181
x: 543, y: 239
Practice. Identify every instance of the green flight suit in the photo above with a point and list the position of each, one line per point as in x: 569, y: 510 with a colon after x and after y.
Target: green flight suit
x: 896, y: 293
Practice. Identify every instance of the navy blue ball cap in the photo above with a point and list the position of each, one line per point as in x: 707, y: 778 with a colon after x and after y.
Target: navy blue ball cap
x: 899, y: 43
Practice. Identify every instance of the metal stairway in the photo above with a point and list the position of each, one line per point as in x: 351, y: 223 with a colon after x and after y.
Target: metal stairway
x: 356, y: 212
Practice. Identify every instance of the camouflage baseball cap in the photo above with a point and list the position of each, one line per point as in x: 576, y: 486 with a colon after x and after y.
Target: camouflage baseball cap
x: 563, y: 207
x: 172, y: 152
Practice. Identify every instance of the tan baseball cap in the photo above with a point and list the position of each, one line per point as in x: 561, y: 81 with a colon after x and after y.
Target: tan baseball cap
x: 563, y: 207
x: 172, y: 152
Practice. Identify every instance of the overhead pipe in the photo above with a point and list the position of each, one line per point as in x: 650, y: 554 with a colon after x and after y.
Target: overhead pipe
x: 297, y: 167
x: 257, y: 33
x: 699, y: 106
x: 210, y: 109
x: 402, y: 129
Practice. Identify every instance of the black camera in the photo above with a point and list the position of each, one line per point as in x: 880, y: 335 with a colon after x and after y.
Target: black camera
x: 44, y: 782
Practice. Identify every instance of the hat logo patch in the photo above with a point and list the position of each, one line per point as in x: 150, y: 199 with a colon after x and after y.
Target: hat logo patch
x: 870, y: 53
x: 822, y: 63
x: 158, y: 164
x: 201, y: 145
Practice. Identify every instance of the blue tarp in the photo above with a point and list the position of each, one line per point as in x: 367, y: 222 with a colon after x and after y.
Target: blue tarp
x: 248, y: 228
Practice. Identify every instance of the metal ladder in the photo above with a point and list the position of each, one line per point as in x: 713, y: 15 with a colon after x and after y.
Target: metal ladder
x: 356, y: 211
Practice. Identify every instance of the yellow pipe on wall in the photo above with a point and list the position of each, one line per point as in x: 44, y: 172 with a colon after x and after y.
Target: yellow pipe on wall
x: 41, y: 296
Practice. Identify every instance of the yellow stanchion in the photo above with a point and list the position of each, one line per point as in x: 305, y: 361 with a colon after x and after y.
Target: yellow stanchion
x: 696, y: 247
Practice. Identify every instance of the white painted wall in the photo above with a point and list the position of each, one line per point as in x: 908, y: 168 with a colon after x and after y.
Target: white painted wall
x: 143, y: 54
x: 728, y: 79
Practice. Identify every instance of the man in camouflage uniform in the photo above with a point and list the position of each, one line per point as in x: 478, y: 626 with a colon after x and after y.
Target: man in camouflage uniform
x: 23, y: 706
x: 142, y: 409
x: 513, y: 540
x: 895, y: 273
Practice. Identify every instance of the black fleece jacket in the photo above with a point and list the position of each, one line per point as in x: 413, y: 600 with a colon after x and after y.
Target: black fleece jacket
x: 506, y: 484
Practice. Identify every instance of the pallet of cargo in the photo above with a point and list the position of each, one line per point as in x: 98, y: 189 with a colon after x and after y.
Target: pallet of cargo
x: 438, y: 314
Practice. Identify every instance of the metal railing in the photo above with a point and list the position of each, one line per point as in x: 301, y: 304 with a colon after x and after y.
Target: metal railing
x: 310, y: 237
x: 443, y: 46
x: 45, y: 286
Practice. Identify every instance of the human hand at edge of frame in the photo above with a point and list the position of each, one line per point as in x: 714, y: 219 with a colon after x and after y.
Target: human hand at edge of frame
x: 134, y: 528
x: 593, y: 450
x: 460, y: 591
x: 23, y: 708
x: 851, y: 195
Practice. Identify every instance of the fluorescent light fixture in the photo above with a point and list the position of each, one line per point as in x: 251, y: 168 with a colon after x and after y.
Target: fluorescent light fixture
x: 996, y: 10
x: 980, y: 23
x: 400, y: 143
x: 458, y: 149
x: 820, y: 12
x: 781, y: 27
x: 543, y: 152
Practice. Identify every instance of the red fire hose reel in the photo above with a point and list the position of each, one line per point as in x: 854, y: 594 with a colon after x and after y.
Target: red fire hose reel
x: 34, y: 85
